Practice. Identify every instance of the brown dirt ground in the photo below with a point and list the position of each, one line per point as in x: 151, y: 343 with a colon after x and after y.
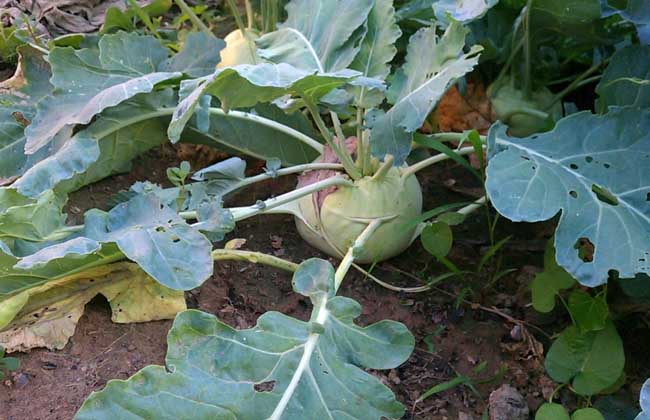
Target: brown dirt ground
x: 452, y: 337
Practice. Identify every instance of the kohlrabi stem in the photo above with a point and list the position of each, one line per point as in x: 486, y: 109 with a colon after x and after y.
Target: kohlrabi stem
x: 527, y: 54
x: 526, y: 111
x: 509, y: 61
x: 69, y: 230
x: 470, y: 208
x: 250, y: 16
x: 235, y: 13
x: 269, y: 15
x: 384, y: 168
x: 358, y: 244
x: 444, y: 137
x: 198, y: 23
x: 322, y: 314
x: 339, y: 149
x: 241, y: 213
x: 432, y: 160
x: 253, y: 257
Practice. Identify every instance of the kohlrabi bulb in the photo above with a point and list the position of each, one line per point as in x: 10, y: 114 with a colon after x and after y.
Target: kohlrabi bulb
x: 346, y: 212
x: 507, y: 101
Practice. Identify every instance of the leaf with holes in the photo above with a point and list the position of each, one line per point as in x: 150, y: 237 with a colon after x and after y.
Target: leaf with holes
x: 594, y: 171
x: 281, y: 367
x: 155, y: 237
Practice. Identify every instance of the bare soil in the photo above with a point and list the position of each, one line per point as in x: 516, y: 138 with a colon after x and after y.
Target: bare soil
x: 458, y: 326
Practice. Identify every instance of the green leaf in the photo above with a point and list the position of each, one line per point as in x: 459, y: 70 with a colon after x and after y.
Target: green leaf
x: 215, y: 371
x: 9, y: 363
x: 88, y: 81
x: 547, y: 284
x: 432, y: 66
x: 626, y: 80
x: 199, y: 56
x: 243, y: 135
x: 156, y: 238
x: 17, y: 110
x: 213, y: 220
x: 247, y: 85
x: 533, y: 178
x: 589, y: 313
x: 29, y: 219
x: 437, y: 239
x: 587, y: 414
x: 231, y: 169
x: 124, y: 19
x: 377, y: 50
x: 574, y: 17
x: 591, y: 361
x: 635, y: 11
x: 314, y: 278
x: 551, y: 411
x: 463, y: 11
x: 106, y: 147
x: 332, y: 31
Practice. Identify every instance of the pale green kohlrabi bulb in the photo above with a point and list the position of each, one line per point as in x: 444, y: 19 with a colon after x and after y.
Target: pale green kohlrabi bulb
x: 507, y: 100
x: 346, y: 212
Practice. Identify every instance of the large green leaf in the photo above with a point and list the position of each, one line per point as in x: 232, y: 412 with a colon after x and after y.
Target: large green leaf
x: 239, y: 133
x: 432, y: 65
x: 247, y: 85
x: 106, y: 147
x: 377, y: 49
x: 591, y: 361
x: 594, y: 170
x: 216, y: 371
x: 154, y: 236
x: 326, y: 34
x: 88, y: 81
x: 626, y: 81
